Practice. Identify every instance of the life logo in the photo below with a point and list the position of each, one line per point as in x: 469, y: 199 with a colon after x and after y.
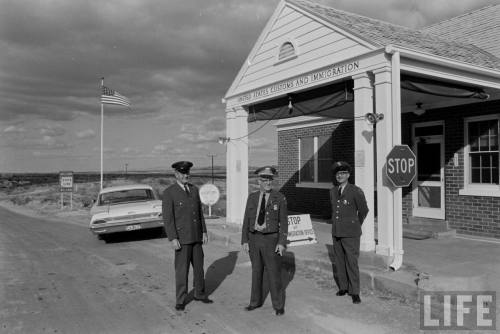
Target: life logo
x: 458, y: 310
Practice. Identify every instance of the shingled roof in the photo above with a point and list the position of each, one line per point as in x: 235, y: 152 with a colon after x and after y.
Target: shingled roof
x: 381, y: 34
x: 480, y: 27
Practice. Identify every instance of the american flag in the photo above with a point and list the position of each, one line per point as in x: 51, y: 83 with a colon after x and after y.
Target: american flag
x: 110, y: 96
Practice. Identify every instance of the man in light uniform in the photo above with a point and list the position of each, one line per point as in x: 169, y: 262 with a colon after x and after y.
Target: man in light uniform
x: 264, y: 235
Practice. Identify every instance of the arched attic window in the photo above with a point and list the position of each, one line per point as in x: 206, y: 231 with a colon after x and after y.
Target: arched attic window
x: 287, y: 52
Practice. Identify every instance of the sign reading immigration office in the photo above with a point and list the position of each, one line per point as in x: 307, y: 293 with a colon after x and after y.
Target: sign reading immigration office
x: 300, y: 231
x: 329, y: 72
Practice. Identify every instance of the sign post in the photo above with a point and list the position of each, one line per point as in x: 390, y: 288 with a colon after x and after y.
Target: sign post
x: 401, y: 166
x: 66, y: 185
x: 209, y: 195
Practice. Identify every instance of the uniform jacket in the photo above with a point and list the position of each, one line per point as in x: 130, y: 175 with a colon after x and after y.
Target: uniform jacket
x: 276, y: 216
x: 182, y: 214
x: 348, y: 211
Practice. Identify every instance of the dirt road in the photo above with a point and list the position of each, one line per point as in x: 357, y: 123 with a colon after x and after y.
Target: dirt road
x: 57, y: 278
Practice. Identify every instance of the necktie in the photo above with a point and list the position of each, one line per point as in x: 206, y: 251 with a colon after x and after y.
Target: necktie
x: 187, y: 189
x: 340, y: 191
x: 262, y: 210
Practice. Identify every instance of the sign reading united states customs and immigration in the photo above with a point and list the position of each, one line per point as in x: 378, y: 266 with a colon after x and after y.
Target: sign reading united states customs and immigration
x: 327, y: 73
x: 300, y: 231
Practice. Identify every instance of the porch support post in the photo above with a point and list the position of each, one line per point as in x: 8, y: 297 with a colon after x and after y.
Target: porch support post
x: 364, y: 154
x: 385, y: 197
x: 236, y: 164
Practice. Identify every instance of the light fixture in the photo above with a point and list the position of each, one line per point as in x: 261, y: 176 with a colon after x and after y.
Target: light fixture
x: 224, y: 140
x: 373, y: 118
x: 419, y: 110
x: 290, y: 105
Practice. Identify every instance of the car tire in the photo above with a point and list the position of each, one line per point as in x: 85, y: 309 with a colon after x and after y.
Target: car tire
x: 163, y: 232
x: 103, y: 237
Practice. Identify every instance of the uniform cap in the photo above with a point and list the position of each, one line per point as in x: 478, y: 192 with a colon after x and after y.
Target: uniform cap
x: 182, y: 166
x: 266, y: 172
x: 341, y: 166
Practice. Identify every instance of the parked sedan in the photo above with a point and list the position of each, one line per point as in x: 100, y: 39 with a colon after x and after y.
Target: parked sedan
x: 124, y: 209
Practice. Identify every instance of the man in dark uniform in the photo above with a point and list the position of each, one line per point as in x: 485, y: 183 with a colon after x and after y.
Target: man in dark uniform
x: 349, y: 210
x: 264, y: 235
x: 186, y: 230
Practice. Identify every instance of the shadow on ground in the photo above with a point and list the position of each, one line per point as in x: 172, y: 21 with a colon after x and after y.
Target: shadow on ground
x: 134, y: 236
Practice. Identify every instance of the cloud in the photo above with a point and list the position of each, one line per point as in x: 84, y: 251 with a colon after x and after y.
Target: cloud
x: 52, y: 131
x: 262, y: 144
x: 84, y: 134
x: 14, y: 129
x: 173, y: 59
x: 129, y: 150
x: 159, y: 149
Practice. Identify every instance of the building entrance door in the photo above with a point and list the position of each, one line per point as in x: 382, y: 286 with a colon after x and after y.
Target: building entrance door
x: 428, y: 185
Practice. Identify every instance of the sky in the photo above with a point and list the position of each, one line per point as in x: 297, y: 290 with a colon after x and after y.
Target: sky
x: 174, y: 60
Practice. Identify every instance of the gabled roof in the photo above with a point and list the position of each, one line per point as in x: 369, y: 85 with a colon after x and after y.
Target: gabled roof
x: 383, y: 33
x: 480, y: 27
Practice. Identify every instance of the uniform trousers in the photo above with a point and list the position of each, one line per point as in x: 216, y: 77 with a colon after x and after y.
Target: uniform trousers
x: 189, y: 254
x: 262, y: 255
x: 346, y: 254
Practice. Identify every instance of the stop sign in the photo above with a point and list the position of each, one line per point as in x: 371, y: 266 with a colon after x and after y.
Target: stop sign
x: 401, y: 165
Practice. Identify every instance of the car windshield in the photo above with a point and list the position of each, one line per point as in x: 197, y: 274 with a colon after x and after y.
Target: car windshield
x: 124, y: 196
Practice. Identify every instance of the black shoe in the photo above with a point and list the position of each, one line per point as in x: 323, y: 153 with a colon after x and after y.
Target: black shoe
x: 251, y: 307
x: 205, y: 300
x: 280, y: 311
x: 341, y: 293
x: 356, y: 299
x: 180, y: 307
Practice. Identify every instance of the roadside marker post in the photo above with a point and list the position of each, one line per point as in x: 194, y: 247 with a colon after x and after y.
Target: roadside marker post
x: 66, y: 185
x: 209, y: 195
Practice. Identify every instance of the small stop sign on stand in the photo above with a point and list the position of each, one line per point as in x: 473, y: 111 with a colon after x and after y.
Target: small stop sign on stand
x: 401, y: 166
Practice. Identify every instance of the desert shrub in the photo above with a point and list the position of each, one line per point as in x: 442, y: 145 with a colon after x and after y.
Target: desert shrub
x: 198, y: 182
x: 164, y: 181
x: 21, y: 200
x: 46, y: 200
x: 86, y: 202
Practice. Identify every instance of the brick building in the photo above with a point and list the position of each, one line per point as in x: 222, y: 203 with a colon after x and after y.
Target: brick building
x: 324, y: 73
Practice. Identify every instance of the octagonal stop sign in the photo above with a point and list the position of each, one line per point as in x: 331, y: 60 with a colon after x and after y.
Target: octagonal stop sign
x: 401, y: 165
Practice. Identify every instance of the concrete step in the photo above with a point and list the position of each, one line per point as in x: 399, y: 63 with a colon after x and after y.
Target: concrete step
x: 415, y: 233
x: 428, y: 222
x: 419, y: 232
x: 448, y: 234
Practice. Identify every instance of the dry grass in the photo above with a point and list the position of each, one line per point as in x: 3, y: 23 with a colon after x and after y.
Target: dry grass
x: 46, y: 199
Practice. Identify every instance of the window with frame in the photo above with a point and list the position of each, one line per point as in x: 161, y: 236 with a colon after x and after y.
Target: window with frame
x: 483, y: 151
x: 315, y: 159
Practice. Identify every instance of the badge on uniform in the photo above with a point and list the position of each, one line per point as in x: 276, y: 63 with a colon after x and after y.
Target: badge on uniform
x: 345, y: 202
x: 275, y: 207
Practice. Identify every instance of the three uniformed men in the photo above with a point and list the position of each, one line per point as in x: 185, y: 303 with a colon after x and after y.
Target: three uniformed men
x: 264, y: 234
x: 349, y: 210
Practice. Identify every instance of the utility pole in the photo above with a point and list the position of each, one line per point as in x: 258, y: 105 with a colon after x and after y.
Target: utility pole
x: 126, y: 165
x: 212, y: 156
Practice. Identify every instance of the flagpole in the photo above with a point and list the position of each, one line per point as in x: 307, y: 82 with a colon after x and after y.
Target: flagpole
x: 102, y: 129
